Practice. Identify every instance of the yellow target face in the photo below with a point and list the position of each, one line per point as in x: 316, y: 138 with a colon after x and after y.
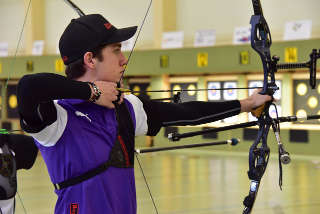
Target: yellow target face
x: 13, y: 103
x: 312, y: 102
x: 136, y: 88
x: 302, y: 89
x: 176, y: 87
x: 191, y: 87
x: 301, y: 113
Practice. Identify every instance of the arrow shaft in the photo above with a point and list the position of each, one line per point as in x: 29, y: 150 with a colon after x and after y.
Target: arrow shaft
x: 140, y: 151
x: 185, y: 90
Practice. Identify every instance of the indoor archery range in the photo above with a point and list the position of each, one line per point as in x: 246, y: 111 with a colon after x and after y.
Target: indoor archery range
x: 205, y: 50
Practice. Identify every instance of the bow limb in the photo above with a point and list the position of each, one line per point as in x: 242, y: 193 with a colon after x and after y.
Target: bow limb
x: 75, y: 7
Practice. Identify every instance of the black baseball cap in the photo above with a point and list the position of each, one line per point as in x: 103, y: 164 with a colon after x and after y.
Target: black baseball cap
x: 87, y: 33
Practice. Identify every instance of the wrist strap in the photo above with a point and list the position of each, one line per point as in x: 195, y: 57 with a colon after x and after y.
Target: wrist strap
x: 96, y: 92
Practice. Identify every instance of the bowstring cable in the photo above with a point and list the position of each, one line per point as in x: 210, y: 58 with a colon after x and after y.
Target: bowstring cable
x: 146, y: 182
x: 135, y: 41
x: 23, y: 207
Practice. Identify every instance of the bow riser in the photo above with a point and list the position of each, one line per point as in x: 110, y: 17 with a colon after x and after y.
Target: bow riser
x: 261, y: 42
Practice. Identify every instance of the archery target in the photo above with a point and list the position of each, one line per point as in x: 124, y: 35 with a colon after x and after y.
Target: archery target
x: 176, y: 88
x: 214, y: 94
x: 274, y: 110
x: 230, y: 94
x: 302, y: 89
x: 312, y: 102
x: 12, y: 104
x: 141, y: 87
x: 191, y: 87
x: 305, y: 100
x: 13, y: 101
x: 254, y: 83
x: 301, y: 113
x: 185, y: 96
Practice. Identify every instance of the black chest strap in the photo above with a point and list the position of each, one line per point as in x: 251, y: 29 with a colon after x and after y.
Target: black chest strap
x: 122, y: 152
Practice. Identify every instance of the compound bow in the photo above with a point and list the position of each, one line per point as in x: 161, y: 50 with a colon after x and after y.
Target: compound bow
x: 259, y: 151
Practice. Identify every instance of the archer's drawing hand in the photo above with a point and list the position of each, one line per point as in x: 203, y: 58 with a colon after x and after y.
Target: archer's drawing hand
x: 255, y: 101
x: 108, y: 95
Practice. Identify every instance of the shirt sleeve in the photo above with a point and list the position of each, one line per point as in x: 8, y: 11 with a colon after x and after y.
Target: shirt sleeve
x: 139, y: 113
x: 162, y: 114
x: 50, y: 135
x: 36, y: 93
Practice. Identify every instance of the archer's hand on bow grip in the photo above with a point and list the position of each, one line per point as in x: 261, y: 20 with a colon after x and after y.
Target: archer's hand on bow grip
x: 257, y: 103
x: 260, y: 109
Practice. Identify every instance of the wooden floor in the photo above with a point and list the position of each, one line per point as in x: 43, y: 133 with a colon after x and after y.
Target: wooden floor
x: 196, y: 182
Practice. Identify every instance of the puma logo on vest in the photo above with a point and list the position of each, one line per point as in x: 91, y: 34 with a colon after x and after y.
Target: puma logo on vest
x: 80, y: 114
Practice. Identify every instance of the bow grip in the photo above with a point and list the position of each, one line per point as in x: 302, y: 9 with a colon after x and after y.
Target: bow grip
x: 258, y: 111
x: 270, y: 89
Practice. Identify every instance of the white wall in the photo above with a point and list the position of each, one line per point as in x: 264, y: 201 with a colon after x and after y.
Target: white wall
x: 221, y: 15
x: 225, y: 15
x: 11, y: 22
x: 121, y: 13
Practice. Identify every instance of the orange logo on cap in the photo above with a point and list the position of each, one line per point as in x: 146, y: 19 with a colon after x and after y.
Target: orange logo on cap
x: 108, y: 25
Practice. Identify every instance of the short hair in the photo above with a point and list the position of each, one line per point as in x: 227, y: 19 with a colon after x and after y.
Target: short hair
x: 76, y: 69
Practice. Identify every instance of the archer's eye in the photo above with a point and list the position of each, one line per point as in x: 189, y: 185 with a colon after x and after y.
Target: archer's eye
x: 117, y: 50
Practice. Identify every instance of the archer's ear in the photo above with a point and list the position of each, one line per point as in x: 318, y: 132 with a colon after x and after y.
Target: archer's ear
x: 88, y: 60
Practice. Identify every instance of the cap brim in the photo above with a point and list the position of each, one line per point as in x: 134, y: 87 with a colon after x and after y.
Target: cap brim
x: 122, y: 34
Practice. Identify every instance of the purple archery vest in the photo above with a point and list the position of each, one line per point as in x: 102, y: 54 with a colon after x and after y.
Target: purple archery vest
x: 86, y: 142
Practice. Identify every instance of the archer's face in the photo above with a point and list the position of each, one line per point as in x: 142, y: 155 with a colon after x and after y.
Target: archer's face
x: 112, y: 66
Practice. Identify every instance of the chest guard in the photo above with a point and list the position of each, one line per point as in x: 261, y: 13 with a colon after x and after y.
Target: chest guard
x: 122, y: 152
